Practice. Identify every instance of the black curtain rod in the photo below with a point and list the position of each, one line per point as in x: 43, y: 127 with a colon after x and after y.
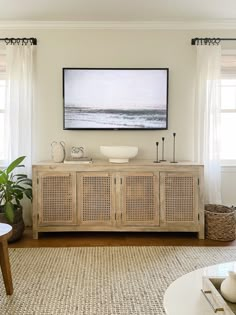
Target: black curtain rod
x: 24, y: 41
x: 205, y: 41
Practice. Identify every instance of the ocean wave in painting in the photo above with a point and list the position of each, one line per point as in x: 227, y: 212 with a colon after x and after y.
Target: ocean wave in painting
x: 85, y: 117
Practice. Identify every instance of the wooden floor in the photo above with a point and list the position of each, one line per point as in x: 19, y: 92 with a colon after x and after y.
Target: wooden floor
x: 79, y: 239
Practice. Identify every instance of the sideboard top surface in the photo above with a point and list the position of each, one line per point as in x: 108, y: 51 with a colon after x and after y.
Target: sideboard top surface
x: 103, y: 164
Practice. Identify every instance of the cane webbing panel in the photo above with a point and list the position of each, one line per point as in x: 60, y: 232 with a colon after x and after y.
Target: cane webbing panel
x: 56, y: 192
x: 179, y: 198
x: 97, y: 198
x: 139, y: 198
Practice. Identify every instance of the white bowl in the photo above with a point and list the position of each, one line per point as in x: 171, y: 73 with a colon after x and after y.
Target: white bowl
x: 119, y: 154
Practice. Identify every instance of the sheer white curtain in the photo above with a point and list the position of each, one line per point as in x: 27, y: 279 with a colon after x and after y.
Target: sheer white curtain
x: 207, y: 110
x: 19, y: 100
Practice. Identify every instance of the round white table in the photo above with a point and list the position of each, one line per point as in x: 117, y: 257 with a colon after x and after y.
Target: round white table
x: 184, y: 296
x: 5, y: 234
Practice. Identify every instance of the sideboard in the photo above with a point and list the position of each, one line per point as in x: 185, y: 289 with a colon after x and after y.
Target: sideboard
x: 137, y: 196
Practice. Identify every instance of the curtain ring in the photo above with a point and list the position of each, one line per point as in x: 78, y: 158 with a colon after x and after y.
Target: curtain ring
x: 7, y: 41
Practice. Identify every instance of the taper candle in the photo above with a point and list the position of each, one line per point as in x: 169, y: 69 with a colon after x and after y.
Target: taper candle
x: 174, y: 161
x: 157, y: 161
x: 163, y: 149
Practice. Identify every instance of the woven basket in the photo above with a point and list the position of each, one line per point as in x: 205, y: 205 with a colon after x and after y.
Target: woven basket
x: 220, y: 223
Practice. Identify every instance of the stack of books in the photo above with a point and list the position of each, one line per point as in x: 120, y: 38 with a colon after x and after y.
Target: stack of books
x: 82, y: 160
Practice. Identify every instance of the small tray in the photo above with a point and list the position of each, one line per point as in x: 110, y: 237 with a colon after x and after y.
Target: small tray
x: 211, y: 291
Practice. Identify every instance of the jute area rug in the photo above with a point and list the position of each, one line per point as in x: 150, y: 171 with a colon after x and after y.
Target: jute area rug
x: 100, y: 280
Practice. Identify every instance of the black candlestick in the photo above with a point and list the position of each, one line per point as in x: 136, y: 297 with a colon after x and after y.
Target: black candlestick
x: 163, y: 149
x: 157, y: 161
x: 174, y: 134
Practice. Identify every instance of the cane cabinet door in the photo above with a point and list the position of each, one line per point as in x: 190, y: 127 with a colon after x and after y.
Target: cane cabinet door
x: 96, y: 198
x: 179, y: 198
x: 139, y: 199
x: 57, y: 198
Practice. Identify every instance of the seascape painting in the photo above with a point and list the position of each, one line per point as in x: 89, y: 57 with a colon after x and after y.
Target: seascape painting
x: 115, y: 98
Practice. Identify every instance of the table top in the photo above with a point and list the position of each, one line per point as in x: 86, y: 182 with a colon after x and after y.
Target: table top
x: 5, y: 230
x: 184, y: 295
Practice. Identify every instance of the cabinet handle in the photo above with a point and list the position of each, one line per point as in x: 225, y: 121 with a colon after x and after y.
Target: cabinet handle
x: 217, y: 309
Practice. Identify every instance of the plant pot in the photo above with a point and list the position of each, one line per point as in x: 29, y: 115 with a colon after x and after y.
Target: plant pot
x: 18, y: 225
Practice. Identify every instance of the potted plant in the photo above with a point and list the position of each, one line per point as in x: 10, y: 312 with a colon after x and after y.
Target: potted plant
x: 13, y: 187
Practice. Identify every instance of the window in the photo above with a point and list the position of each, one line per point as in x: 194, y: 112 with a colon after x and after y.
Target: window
x: 228, y: 109
x: 2, y: 105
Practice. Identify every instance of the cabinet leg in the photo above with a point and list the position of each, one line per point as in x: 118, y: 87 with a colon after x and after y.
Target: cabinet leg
x: 201, y: 234
x: 35, y: 235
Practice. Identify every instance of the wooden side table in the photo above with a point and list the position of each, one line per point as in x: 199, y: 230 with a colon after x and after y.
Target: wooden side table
x: 5, y: 234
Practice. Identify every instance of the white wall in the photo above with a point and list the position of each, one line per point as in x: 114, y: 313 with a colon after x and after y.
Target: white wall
x: 117, y: 48
x: 114, y: 49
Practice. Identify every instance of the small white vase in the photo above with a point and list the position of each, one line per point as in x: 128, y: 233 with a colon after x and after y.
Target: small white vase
x: 228, y: 287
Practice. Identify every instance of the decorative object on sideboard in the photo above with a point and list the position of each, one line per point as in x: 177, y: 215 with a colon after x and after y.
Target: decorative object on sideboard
x: 77, y: 152
x: 228, y: 287
x: 119, y: 154
x: 174, y: 161
x: 81, y: 160
x: 58, y: 151
x: 163, y: 150
x: 157, y: 159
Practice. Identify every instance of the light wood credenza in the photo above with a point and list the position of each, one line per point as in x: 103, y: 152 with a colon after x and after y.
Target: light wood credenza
x: 135, y: 196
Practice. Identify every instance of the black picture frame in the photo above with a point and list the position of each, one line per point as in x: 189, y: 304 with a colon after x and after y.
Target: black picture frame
x: 76, y: 85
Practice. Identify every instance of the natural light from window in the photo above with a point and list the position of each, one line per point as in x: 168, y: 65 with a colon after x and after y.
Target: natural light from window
x: 2, y: 117
x: 2, y: 104
x: 228, y: 119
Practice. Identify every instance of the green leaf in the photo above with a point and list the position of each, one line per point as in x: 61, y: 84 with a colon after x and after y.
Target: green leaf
x: 3, y: 178
x: 17, y: 186
x: 9, y: 211
x: 17, y: 194
x: 25, y: 181
x: 28, y: 193
x: 14, y: 164
x: 20, y: 176
x: 18, y: 190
